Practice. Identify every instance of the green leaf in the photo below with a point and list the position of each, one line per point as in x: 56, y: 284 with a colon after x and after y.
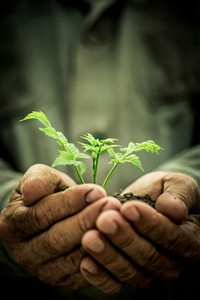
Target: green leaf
x: 69, y: 154
x: 61, y: 160
x: 83, y: 155
x: 65, y: 158
x: 50, y: 131
x: 70, y: 147
x: 81, y: 166
x: 134, y: 160
x: 39, y: 115
x: 148, y: 146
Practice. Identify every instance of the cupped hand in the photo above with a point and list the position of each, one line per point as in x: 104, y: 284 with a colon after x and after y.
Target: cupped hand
x: 139, y: 243
x: 175, y: 194
x: 44, y: 222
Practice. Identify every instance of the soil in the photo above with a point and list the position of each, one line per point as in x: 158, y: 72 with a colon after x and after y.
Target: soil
x: 130, y: 196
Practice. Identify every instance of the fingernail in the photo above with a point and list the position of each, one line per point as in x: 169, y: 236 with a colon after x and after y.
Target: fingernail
x: 96, y: 246
x: 93, y: 195
x: 112, y: 229
x: 90, y: 267
x: 132, y: 214
x: 108, y: 228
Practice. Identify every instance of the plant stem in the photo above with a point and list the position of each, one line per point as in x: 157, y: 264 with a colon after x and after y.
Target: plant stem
x: 95, y: 165
x: 109, y: 174
x: 79, y: 175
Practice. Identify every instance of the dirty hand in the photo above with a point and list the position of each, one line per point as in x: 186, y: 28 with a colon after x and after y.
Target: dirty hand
x: 44, y: 222
x: 138, y: 243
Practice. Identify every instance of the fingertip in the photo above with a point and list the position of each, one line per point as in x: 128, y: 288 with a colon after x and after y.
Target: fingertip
x: 88, y: 266
x: 96, y: 192
x: 172, y: 207
x: 91, y: 241
x: 107, y: 222
x: 99, y: 277
x: 130, y: 210
x: 32, y: 189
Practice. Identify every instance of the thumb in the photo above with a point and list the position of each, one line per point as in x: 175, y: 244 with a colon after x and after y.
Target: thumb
x: 41, y: 180
x: 180, y: 196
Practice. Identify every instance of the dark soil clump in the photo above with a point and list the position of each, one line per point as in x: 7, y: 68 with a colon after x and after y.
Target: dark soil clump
x: 130, y: 196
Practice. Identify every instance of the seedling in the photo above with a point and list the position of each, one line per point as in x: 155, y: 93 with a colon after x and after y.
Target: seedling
x: 69, y: 154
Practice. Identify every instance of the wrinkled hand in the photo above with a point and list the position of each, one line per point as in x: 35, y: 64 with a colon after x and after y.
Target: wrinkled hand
x: 176, y: 194
x: 148, y: 243
x: 44, y: 223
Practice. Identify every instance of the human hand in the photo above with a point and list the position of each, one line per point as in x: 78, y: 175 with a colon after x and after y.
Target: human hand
x: 147, y: 244
x: 175, y: 194
x: 43, y: 224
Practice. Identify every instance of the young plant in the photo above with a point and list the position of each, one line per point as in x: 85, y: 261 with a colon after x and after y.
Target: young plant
x: 69, y: 154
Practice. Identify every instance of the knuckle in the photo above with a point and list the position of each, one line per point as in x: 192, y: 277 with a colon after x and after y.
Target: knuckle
x: 42, y: 216
x: 113, y: 289
x: 85, y: 222
x: 132, y: 276
x: 127, y: 274
x: 164, y: 269
x: 12, y: 218
x: 140, y: 279
x: 73, y: 260
x: 61, y: 271
x: 74, y: 281
x: 48, y: 273
x: 73, y: 200
x: 107, y: 285
x: 126, y: 242
x: 150, y: 258
x: 56, y: 241
x: 69, y: 200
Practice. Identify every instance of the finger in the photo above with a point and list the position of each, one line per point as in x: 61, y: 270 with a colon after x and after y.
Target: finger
x: 180, y: 196
x: 64, y: 204
x: 62, y: 237
x: 41, y: 180
x: 182, y: 240
x: 20, y: 222
x: 150, y: 183
x: 75, y: 282
x: 113, y: 261
x: 175, y: 194
x: 98, y: 277
x: 64, y: 271
x: 139, y: 249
